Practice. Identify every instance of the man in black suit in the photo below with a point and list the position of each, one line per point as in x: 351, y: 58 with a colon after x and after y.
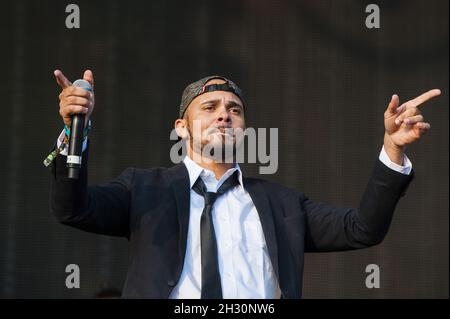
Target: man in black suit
x: 200, y: 229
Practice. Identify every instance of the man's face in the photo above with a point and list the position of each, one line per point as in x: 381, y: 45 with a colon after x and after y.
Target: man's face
x: 212, y: 117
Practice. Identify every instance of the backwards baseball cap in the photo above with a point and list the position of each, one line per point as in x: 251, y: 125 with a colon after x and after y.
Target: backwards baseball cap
x: 199, y: 87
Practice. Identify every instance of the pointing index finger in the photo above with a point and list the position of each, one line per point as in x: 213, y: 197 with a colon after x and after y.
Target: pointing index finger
x: 424, y: 97
x: 61, y: 79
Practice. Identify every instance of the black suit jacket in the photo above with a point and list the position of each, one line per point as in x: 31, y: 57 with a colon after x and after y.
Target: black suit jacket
x: 151, y: 208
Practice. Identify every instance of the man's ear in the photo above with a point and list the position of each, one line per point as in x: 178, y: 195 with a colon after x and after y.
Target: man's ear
x: 181, y: 128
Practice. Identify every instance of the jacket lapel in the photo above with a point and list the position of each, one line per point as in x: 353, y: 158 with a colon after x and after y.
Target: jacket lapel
x: 261, y: 202
x: 181, y: 189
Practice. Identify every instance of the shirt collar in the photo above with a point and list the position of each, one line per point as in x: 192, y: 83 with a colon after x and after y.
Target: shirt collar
x: 196, y: 170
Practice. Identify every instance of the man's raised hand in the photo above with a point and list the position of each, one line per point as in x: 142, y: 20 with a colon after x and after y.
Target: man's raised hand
x: 74, y: 100
x: 405, y: 124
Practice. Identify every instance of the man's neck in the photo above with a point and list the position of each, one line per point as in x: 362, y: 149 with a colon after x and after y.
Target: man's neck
x: 218, y: 168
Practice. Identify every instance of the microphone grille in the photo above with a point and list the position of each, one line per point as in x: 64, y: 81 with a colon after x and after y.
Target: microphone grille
x: 83, y: 84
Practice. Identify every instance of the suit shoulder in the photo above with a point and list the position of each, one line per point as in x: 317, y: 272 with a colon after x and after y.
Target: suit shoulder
x: 146, y: 173
x: 272, y: 187
x: 156, y: 174
x: 155, y: 171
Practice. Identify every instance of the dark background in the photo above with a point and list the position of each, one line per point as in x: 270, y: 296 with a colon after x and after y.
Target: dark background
x: 310, y: 68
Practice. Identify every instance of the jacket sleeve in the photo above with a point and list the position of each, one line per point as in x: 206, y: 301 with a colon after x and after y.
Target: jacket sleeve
x: 329, y: 228
x: 102, y: 209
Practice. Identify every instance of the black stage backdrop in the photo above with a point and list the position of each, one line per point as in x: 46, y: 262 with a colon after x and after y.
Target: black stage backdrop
x: 312, y: 69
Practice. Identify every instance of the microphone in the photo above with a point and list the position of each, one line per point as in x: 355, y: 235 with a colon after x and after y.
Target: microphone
x: 76, y: 137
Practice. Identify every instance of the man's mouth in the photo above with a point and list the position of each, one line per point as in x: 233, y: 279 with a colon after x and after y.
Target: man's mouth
x: 222, y: 130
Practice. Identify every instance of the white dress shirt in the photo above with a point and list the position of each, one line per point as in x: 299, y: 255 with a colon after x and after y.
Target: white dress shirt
x: 245, y: 268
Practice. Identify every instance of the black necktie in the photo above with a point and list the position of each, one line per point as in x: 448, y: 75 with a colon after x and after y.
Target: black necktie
x: 211, y: 287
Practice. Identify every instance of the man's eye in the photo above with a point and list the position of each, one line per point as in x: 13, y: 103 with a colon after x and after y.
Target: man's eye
x: 236, y: 110
x: 208, y: 108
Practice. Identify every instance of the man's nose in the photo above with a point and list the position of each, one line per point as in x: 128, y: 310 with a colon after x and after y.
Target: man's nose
x: 223, y: 116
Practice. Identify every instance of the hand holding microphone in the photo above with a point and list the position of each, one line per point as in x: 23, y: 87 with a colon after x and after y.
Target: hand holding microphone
x: 75, y: 107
